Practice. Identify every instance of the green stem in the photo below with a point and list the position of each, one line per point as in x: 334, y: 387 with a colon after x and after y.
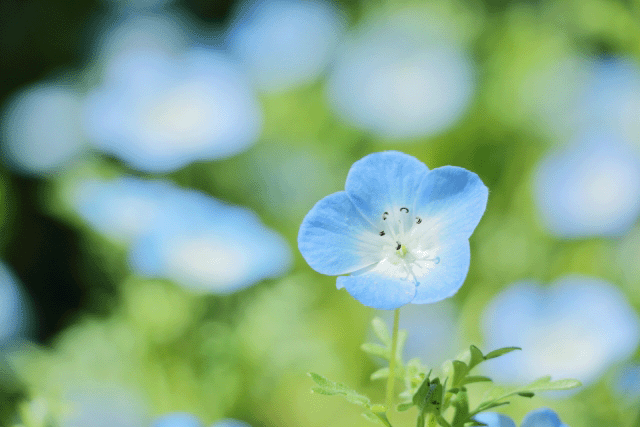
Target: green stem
x: 391, y: 381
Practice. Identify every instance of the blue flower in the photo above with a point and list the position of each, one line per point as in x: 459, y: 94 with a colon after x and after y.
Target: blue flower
x: 287, y: 43
x: 558, y: 330
x: 159, y: 113
x: 543, y: 417
x: 398, y: 81
x: 184, y: 235
x: 590, y: 188
x: 177, y: 419
x: 206, y: 245
x: 41, y: 128
x: 400, y: 231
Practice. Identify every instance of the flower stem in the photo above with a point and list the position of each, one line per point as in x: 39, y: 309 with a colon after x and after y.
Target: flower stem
x: 391, y: 381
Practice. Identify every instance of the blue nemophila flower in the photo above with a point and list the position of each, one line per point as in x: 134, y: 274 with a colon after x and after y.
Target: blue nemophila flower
x: 41, y: 128
x: 590, y: 188
x: 287, y: 43
x: 400, y: 77
x: 400, y: 231
x: 184, y: 235
x: 159, y: 113
x: 576, y: 329
x: 543, y: 417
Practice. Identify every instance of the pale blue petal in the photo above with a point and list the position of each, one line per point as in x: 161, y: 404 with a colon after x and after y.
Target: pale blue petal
x: 453, y: 200
x: 377, y: 290
x: 335, y: 239
x: 543, y: 417
x: 384, y: 181
x: 493, y: 419
x: 447, y: 276
x: 177, y: 419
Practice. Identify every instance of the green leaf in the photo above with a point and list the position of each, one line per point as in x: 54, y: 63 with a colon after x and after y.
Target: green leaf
x: 499, y: 352
x: 474, y: 379
x: 404, y: 406
x: 332, y: 388
x: 380, y: 373
x: 402, y: 340
x: 381, y: 331
x: 460, y: 369
x: 377, y: 418
x: 476, y: 356
x: 526, y: 394
x: 461, y: 405
x: 375, y: 350
x: 545, y: 384
x: 440, y: 419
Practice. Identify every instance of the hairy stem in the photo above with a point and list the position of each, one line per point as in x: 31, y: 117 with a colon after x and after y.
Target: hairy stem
x: 391, y: 381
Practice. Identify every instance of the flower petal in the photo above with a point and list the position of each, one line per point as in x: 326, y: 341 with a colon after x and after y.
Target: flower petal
x: 382, y: 181
x: 543, y: 417
x: 452, y: 200
x: 493, y: 419
x: 375, y: 288
x: 443, y: 279
x: 335, y: 239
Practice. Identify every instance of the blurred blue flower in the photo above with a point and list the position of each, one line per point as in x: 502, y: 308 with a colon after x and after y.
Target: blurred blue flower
x: 138, y: 33
x: 177, y: 419
x: 184, y: 235
x: 576, y: 329
x: 543, y: 417
x: 627, y: 382
x: 399, y: 82
x: 590, y: 188
x: 15, y: 310
x: 124, y: 208
x: 287, y: 43
x: 611, y: 99
x: 230, y: 423
x: 400, y: 230
x: 41, y: 128
x: 159, y: 113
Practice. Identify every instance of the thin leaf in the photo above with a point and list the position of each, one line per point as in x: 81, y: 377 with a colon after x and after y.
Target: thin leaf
x: 499, y: 352
x: 375, y: 350
x: 460, y: 369
x: 380, y: 373
x: 474, y: 379
x: 381, y: 331
x: 404, y: 406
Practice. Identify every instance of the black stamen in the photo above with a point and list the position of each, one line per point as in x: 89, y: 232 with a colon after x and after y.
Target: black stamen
x: 418, y: 220
x: 399, y: 246
x: 385, y: 215
x: 382, y: 233
x: 406, y: 210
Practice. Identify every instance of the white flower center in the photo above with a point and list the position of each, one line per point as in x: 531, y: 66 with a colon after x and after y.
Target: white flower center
x: 407, y: 242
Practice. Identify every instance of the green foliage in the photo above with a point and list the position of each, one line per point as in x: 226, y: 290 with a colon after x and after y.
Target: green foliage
x: 431, y: 396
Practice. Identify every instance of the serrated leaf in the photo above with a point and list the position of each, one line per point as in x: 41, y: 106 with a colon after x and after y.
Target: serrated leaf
x: 476, y: 356
x: 526, y: 394
x: 380, y: 373
x: 404, y: 407
x: 500, y: 352
x: 381, y: 331
x: 474, y: 379
x: 375, y: 350
x: 460, y: 369
x: 332, y: 388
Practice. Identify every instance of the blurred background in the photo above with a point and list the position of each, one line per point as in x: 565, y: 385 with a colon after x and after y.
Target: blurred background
x: 158, y: 158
